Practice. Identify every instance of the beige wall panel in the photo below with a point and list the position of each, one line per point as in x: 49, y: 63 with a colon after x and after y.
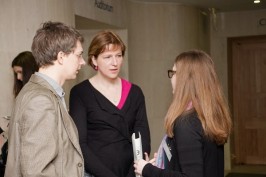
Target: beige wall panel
x: 233, y: 24
x: 158, y: 32
x: 90, y: 10
x: 19, y: 21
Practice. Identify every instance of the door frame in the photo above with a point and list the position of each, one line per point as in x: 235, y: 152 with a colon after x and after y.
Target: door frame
x: 230, y: 42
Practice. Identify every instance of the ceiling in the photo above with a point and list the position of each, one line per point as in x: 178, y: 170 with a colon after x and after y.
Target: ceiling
x: 219, y: 5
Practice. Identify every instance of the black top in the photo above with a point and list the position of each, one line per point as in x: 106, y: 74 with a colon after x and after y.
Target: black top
x: 105, y: 131
x: 193, y: 155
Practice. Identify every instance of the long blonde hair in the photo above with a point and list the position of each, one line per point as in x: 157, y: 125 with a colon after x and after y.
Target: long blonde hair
x: 197, y: 81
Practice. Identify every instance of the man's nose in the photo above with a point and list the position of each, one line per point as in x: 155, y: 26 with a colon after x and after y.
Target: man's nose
x: 82, y: 61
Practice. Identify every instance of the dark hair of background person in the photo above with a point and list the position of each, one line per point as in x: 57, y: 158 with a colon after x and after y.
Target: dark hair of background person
x: 28, y: 64
x: 52, y: 38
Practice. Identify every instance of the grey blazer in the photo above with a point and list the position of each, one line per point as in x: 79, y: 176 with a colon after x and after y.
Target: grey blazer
x: 43, y: 139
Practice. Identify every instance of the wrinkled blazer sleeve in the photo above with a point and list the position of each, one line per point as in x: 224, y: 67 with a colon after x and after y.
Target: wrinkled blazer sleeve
x: 39, y: 137
x: 141, y: 124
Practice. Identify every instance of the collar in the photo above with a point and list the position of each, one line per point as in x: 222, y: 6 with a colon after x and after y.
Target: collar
x: 59, y: 90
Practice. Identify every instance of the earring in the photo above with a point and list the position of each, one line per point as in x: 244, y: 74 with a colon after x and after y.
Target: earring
x: 96, y: 68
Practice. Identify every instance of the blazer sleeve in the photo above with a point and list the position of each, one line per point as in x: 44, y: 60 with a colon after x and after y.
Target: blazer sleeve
x: 188, y: 143
x: 39, y: 137
x: 78, y: 112
x: 141, y: 124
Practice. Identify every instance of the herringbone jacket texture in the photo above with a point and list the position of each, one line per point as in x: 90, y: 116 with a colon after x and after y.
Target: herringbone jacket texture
x: 43, y: 139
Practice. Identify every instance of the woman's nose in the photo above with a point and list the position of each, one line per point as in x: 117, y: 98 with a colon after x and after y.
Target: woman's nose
x: 114, y: 61
x: 19, y: 77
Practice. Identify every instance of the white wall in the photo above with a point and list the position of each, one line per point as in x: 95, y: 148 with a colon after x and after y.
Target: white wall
x: 158, y: 32
x: 87, y: 9
x: 19, y: 21
x: 232, y: 24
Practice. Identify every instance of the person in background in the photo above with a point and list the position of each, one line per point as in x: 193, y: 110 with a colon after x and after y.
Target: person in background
x: 107, y: 109
x: 43, y: 139
x: 23, y: 65
x: 197, y: 123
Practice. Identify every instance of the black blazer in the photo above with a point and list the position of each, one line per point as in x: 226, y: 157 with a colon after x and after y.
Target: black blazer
x: 105, y: 131
x: 193, y: 154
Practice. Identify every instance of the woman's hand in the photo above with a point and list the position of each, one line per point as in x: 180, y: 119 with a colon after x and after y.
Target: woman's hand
x: 139, y: 165
x: 152, y: 161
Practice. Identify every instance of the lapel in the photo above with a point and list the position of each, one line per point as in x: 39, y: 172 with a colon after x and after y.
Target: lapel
x: 70, y: 126
x: 62, y: 112
x: 121, y: 125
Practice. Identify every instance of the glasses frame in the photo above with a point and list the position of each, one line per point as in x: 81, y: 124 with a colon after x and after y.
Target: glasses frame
x: 170, y: 73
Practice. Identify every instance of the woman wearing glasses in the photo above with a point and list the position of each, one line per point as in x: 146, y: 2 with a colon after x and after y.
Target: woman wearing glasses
x: 107, y: 109
x: 197, y: 123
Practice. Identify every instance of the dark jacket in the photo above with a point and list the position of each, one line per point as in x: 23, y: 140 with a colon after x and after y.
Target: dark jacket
x: 105, y: 131
x: 193, y: 155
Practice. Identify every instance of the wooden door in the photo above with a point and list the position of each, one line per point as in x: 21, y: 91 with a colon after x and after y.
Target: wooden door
x: 247, y: 62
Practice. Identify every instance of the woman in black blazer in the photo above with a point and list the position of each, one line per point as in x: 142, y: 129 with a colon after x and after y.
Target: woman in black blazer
x: 107, y: 109
x: 197, y: 123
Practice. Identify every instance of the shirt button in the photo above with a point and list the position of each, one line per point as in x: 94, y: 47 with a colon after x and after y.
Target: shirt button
x: 79, y: 164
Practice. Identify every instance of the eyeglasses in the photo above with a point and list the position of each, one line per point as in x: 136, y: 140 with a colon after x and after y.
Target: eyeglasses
x: 171, y: 73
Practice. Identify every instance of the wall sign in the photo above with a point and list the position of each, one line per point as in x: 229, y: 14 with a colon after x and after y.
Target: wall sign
x: 104, y: 6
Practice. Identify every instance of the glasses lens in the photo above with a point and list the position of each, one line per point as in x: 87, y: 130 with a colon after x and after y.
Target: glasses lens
x: 171, y: 73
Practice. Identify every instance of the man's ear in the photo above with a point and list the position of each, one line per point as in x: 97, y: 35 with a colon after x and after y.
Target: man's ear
x: 60, y: 57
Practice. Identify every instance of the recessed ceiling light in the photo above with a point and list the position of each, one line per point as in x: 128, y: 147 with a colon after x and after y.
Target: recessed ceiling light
x: 256, y: 1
